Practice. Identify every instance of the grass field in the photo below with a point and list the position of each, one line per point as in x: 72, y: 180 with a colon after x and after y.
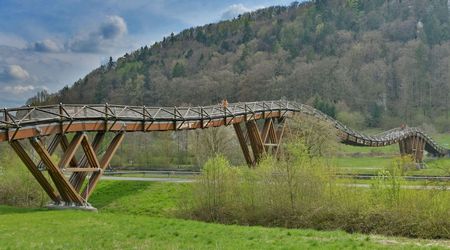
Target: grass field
x: 368, y: 160
x: 137, y: 215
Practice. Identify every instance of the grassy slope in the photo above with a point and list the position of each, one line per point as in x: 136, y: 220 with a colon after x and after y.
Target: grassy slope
x: 134, y: 215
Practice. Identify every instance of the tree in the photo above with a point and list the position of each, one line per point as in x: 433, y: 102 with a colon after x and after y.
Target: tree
x: 178, y: 70
x: 110, y: 63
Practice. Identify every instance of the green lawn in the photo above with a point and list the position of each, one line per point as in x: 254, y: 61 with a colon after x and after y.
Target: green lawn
x: 137, y: 215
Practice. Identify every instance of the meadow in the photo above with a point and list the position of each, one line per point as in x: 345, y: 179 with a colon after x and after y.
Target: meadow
x: 139, y: 215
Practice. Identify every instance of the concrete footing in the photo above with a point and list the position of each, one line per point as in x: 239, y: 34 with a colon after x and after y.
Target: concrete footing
x: 71, y: 206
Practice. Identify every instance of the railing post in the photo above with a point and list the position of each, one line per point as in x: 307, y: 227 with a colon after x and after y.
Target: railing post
x: 60, y: 117
x: 106, y: 117
x: 175, y: 118
x: 6, y: 120
x: 143, y: 118
x: 225, y: 115
x: 201, y: 117
x: 245, y: 111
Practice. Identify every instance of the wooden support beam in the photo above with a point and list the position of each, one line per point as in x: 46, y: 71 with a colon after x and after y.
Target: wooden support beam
x: 82, y: 169
x: 51, y: 148
x: 419, y: 150
x: 280, y: 133
x: 65, y: 189
x: 265, y: 130
x: 401, y: 145
x: 64, y: 146
x: 255, y: 140
x: 95, y: 177
x: 77, y: 178
x: 243, y: 143
x: 20, y: 151
x: 71, y: 150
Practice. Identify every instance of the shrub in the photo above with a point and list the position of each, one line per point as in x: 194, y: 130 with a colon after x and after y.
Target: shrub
x: 300, y: 191
x: 17, y: 186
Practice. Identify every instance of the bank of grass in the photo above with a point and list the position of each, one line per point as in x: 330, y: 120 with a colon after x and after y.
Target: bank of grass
x: 138, y: 198
x: 24, y: 229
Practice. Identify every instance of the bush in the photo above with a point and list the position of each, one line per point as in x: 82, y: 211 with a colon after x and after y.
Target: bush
x: 17, y: 186
x: 354, y: 120
x: 300, y: 191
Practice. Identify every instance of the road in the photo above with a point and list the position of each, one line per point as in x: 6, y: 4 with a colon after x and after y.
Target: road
x: 180, y: 180
x: 175, y: 180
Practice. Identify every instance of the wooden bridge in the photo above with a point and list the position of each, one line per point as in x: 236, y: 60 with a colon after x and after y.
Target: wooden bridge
x: 36, y: 123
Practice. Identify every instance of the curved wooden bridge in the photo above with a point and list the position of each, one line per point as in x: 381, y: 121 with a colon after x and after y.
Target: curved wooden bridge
x: 36, y: 123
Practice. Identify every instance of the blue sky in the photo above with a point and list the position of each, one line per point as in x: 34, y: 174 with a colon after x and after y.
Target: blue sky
x: 50, y: 44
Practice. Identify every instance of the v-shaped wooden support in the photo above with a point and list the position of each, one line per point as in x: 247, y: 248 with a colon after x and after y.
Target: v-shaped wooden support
x: 68, y: 189
x: 264, y: 141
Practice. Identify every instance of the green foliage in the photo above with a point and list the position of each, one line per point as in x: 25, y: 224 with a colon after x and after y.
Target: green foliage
x: 301, y: 192
x: 178, y: 70
x: 353, y: 120
x: 374, y: 115
x: 325, y: 106
x: 318, y: 137
x: 17, y: 186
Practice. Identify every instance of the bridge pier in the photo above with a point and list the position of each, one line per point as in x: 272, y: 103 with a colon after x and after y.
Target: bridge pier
x: 413, y: 146
x: 260, y: 141
x: 70, y: 192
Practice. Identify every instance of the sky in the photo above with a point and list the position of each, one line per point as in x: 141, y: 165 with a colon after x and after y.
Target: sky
x: 46, y: 45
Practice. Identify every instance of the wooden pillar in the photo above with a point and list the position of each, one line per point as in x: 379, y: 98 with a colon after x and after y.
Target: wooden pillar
x: 401, y: 144
x: 103, y: 164
x: 66, y: 193
x: 77, y: 178
x: 266, y: 140
x: 420, y: 150
x: 243, y: 144
x: 65, y: 189
x: 255, y: 140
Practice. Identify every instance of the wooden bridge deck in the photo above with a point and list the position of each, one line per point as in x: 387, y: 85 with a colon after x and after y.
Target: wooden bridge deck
x: 27, y: 122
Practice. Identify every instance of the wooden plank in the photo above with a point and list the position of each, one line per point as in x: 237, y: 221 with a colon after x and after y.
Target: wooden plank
x: 82, y: 169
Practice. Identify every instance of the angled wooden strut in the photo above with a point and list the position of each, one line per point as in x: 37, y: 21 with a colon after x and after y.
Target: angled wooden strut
x: 65, y: 189
x: 20, y: 151
x: 68, y: 190
x: 266, y: 140
x: 77, y: 178
x: 413, y: 146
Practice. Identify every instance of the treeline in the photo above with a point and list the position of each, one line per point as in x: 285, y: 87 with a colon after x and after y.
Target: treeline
x: 369, y: 63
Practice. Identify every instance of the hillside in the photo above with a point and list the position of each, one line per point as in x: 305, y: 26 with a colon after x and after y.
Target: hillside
x: 370, y: 63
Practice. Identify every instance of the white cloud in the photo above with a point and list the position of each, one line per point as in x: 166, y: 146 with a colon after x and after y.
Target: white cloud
x: 104, y: 37
x: 12, y: 41
x: 14, y: 72
x: 234, y: 10
x: 113, y: 28
x: 18, y: 89
x: 46, y: 45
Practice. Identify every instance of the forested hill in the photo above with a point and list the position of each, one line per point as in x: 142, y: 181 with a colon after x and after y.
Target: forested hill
x: 370, y: 63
